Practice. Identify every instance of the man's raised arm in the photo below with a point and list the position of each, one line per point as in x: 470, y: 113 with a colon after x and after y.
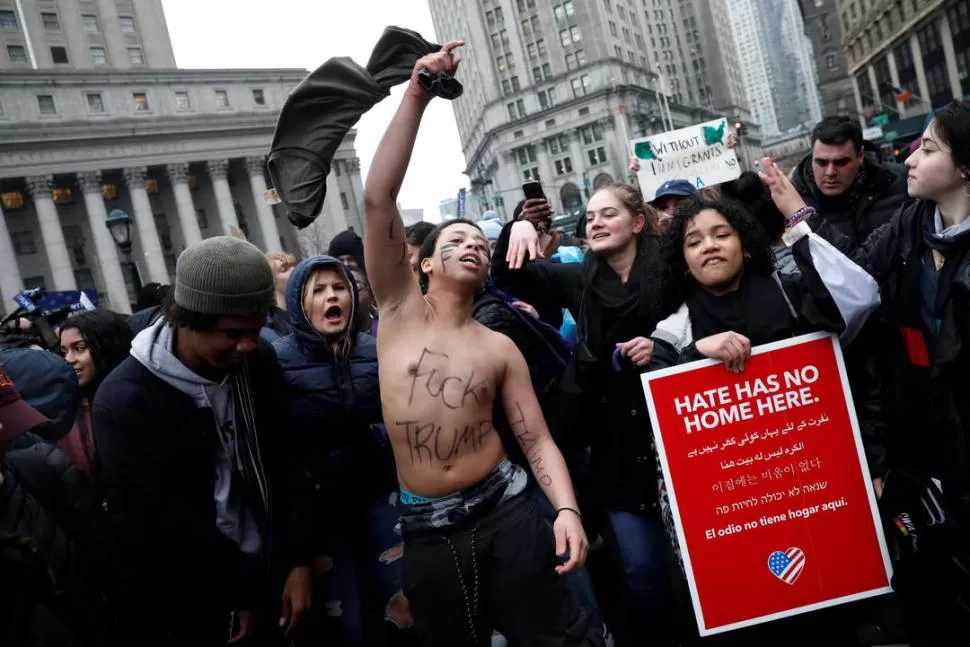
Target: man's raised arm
x: 385, y: 244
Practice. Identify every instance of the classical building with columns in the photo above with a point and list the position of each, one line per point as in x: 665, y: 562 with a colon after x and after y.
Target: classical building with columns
x: 182, y: 152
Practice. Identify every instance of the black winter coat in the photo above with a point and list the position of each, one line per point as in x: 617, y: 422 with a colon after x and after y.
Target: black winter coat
x: 30, y: 477
x: 925, y: 372
x: 158, y: 465
x: 610, y: 415
x: 869, y: 204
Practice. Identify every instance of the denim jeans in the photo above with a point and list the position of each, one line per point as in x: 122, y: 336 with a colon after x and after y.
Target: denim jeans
x: 360, y: 560
x: 642, y: 541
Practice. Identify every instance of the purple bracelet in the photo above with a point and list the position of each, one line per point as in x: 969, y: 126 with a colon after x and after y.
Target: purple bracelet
x: 800, y: 215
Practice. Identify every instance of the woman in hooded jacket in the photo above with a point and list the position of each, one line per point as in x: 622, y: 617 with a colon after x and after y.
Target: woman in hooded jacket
x: 613, y: 297
x: 335, y: 426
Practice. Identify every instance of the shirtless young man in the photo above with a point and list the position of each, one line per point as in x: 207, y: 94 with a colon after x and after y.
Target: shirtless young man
x: 477, y: 555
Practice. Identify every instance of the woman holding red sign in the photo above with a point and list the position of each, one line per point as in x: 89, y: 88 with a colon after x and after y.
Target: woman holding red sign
x: 727, y: 297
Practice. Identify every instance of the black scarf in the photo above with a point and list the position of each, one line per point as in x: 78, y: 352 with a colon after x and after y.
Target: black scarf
x: 613, y: 312
x: 757, y: 309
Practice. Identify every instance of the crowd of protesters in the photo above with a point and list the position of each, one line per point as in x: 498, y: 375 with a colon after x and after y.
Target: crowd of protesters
x: 437, y: 435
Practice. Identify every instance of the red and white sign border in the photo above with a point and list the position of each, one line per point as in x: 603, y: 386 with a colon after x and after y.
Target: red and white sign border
x: 703, y: 629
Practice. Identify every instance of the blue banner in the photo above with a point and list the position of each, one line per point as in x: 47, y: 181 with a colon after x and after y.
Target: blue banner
x: 461, y: 203
x: 56, y: 300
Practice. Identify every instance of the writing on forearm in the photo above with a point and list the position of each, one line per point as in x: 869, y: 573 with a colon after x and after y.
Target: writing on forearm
x: 529, y: 442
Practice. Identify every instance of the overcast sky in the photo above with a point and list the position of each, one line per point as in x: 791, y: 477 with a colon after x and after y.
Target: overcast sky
x: 304, y: 34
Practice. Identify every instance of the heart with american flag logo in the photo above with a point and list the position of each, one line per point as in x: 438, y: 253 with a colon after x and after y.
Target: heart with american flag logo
x: 787, y: 566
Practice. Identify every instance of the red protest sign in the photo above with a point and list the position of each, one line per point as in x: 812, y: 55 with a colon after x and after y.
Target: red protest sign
x: 767, y: 479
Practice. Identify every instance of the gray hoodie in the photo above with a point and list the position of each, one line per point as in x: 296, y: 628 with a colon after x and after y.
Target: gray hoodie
x: 153, y: 348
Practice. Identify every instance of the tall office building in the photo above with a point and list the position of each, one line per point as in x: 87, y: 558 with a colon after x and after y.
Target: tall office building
x: 906, y: 59
x: 95, y: 117
x: 824, y: 30
x: 554, y: 91
x: 777, y: 58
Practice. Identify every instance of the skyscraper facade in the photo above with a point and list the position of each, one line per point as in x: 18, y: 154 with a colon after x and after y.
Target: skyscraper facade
x: 555, y: 90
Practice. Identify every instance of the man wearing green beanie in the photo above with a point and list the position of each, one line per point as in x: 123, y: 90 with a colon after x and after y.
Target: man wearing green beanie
x: 186, y: 435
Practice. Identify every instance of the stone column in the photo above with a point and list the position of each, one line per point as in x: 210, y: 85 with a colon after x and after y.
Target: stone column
x: 145, y: 221
x: 949, y: 54
x: 267, y: 222
x: 111, y: 275
x: 227, y: 211
x: 178, y: 175
x: 924, y: 88
x: 50, y: 230
x: 10, y: 281
x: 546, y: 173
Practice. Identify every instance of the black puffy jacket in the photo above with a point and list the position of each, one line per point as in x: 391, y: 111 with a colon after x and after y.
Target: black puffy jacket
x: 870, y: 203
x: 31, y: 477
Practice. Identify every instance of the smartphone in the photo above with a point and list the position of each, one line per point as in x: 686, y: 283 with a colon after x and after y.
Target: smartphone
x: 533, y: 191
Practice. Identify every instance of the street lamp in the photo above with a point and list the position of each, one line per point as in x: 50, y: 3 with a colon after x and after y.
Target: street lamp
x: 119, y: 224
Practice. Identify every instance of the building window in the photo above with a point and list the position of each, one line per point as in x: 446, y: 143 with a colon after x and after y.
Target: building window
x: 135, y: 56
x: 46, y: 104
x: 515, y: 84
x: 23, y: 242
x: 597, y: 155
x: 506, y: 87
x: 222, y: 99
x: 831, y: 62
x: 16, y: 53
x: 541, y: 46
x: 8, y: 20
x: 343, y: 201
x: 591, y: 133
x: 90, y: 22
x: 50, y: 21
x: 531, y: 174
x: 127, y: 24
x: 98, y: 56
x: 564, y: 166
x: 59, y: 54
x: 564, y: 37
x: 95, y: 103
x: 575, y: 34
x: 259, y: 97
x: 571, y: 62
x: 201, y: 218
x: 526, y: 154
x: 546, y: 71
x: 518, y: 134
x: 141, y: 102
x: 182, y: 101
x: 612, y: 29
x: 618, y: 51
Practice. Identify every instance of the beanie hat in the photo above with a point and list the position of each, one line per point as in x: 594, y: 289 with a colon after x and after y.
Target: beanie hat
x: 491, y: 228
x: 224, y: 276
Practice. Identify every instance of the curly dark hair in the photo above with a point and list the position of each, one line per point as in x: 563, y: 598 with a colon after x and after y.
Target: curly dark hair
x: 677, y: 278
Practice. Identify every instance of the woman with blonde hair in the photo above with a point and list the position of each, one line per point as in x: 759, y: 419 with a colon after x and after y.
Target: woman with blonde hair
x: 334, y: 431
